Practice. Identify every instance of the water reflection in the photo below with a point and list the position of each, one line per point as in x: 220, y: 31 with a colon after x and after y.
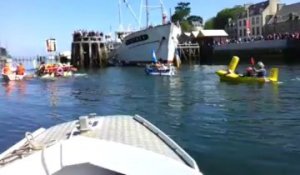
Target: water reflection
x: 176, y: 93
x: 8, y: 87
x: 53, y: 94
x: 51, y: 90
x: 14, y: 86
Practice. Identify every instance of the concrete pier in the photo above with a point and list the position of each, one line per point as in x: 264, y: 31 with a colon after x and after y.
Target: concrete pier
x: 88, y: 50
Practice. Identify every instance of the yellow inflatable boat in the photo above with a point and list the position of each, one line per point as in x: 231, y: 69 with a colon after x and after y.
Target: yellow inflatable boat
x: 230, y: 75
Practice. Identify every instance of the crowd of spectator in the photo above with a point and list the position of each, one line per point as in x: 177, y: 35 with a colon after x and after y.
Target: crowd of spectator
x: 79, y: 34
x: 274, y: 36
x: 278, y: 36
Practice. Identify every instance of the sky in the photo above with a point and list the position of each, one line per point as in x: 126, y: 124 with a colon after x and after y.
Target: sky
x: 26, y: 24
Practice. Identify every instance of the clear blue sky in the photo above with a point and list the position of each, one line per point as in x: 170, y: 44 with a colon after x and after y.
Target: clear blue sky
x: 26, y: 24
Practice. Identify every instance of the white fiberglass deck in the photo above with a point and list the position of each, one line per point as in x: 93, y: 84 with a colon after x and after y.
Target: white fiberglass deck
x: 121, y: 129
x: 133, y: 131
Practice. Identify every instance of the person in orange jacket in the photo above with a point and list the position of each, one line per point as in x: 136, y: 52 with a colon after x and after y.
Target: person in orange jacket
x: 6, y: 69
x: 20, y: 69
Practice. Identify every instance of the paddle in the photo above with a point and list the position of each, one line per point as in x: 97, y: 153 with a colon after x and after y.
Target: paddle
x: 252, y: 61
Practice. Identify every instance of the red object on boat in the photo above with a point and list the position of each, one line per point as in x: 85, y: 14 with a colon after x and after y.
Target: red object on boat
x: 252, y: 61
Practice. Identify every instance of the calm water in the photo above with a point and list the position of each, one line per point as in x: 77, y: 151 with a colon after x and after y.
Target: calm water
x: 229, y: 129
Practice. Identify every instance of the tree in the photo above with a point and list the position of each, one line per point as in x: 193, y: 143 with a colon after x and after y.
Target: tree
x: 182, y: 12
x: 194, y: 18
x: 186, y: 26
x: 220, y: 21
x: 182, y: 15
x: 209, y: 24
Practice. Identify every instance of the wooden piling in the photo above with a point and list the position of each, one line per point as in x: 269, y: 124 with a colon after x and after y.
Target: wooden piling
x: 190, y: 52
x: 87, y: 51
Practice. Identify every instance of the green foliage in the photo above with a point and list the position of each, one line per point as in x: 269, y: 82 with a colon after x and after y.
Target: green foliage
x: 209, y: 24
x: 186, y: 26
x: 182, y: 15
x: 220, y: 21
x: 182, y: 11
x: 195, y: 18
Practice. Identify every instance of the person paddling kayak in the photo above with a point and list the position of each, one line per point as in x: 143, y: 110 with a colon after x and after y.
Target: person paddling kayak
x: 260, y: 70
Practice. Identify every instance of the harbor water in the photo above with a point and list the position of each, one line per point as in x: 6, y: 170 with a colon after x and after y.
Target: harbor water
x: 229, y: 129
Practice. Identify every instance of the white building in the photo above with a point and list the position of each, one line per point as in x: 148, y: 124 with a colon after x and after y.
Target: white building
x: 251, y: 23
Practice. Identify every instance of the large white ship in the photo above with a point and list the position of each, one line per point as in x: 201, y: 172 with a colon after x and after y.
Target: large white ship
x: 138, y: 46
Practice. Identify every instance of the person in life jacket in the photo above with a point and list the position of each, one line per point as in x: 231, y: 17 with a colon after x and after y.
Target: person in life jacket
x: 249, y: 72
x: 20, y: 69
x: 42, y: 69
x: 260, y: 71
x: 6, y: 69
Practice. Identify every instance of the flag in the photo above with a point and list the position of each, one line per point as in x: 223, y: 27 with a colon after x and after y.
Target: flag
x: 51, y: 45
x: 154, y: 59
x: 248, y: 26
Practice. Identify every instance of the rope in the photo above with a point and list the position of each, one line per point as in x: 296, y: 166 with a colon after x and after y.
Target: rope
x: 32, y: 143
x: 29, y: 146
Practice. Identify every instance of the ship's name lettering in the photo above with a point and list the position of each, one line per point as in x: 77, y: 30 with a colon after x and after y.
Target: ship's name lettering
x: 137, y: 39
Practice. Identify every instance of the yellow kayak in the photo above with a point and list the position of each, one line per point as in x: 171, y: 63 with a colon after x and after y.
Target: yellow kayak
x: 230, y: 75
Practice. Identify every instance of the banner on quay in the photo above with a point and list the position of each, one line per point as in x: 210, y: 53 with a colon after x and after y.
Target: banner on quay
x: 51, y: 45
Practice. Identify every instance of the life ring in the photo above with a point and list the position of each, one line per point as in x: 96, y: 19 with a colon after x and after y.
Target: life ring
x: 59, y: 71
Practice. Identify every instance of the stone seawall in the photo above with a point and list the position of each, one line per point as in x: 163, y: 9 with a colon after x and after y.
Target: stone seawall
x: 271, y: 52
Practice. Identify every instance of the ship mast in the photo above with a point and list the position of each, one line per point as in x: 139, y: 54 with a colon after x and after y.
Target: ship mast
x: 120, y: 16
x: 163, y: 14
x: 147, y: 14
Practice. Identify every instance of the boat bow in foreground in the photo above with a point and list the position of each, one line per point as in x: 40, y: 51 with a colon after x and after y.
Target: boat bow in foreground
x: 98, y: 145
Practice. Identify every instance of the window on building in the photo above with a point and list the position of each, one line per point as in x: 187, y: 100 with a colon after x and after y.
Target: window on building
x: 240, y: 23
x: 241, y: 33
x: 253, y: 31
x: 257, y: 31
x: 245, y: 32
x: 244, y: 22
x: 257, y: 20
x: 253, y: 21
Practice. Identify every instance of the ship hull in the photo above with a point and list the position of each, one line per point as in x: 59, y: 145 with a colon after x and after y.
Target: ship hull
x: 137, y: 47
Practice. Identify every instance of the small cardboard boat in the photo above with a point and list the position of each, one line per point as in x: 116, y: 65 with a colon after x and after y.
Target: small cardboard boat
x: 164, y: 70
x: 230, y: 75
x: 12, y: 77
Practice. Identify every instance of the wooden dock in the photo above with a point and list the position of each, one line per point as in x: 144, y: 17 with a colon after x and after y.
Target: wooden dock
x: 88, y: 50
x: 189, y: 52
